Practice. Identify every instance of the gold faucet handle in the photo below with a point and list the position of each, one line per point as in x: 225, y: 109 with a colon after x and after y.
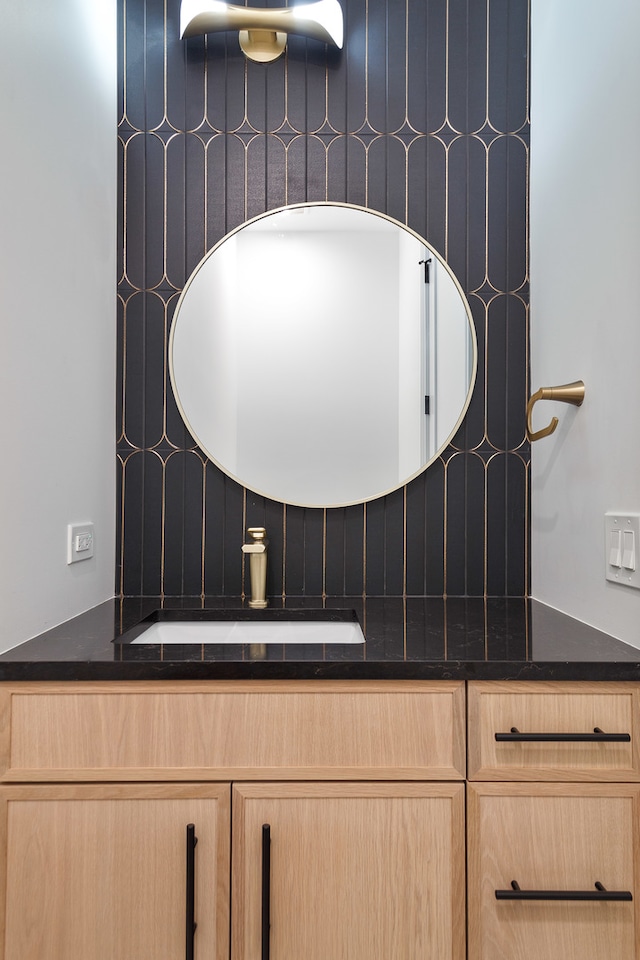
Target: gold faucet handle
x: 258, y: 540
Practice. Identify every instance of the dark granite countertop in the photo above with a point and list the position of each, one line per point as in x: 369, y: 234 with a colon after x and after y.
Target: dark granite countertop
x: 406, y: 639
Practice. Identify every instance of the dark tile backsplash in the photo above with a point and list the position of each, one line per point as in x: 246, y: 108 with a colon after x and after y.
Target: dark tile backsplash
x: 423, y: 116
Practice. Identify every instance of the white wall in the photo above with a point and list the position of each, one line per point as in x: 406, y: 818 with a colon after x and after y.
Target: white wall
x: 57, y: 308
x: 585, y: 299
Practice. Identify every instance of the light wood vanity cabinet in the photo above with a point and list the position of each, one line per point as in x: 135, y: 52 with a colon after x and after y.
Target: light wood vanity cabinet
x: 360, y: 788
x: 553, y: 809
x: 329, y: 815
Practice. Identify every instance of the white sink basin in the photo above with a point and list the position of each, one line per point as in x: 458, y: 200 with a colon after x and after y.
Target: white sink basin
x: 252, y: 631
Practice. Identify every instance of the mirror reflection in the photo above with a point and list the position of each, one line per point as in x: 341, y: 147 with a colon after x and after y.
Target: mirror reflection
x: 322, y: 354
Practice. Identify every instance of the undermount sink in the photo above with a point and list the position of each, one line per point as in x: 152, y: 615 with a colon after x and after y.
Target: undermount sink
x: 252, y: 631
x: 169, y: 634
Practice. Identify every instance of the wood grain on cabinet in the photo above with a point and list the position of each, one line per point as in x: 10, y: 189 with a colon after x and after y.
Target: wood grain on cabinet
x: 364, y: 871
x: 98, y: 872
x: 367, y: 856
x: 553, y: 707
x: 552, y: 836
x: 230, y: 730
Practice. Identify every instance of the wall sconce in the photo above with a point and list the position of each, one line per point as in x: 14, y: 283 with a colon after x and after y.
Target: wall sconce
x: 263, y: 31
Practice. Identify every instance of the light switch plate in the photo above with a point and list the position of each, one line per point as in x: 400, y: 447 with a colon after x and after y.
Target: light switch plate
x: 80, y: 542
x: 622, y: 565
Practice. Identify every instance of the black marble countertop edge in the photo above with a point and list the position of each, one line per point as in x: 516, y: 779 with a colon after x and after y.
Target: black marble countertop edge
x: 417, y: 638
x: 27, y: 671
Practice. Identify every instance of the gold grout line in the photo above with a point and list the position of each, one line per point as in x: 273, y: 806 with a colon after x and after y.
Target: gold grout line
x: 123, y: 463
x: 486, y: 74
x: 165, y: 92
x: 124, y: 60
x: 284, y: 552
x: 447, y: 40
x: 486, y: 374
x: 527, y: 223
x: 324, y: 556
x: 445, y: 526
x: 205, y: 88
x: 326, y: 172
x: 446, y: 202
x: 528, y: 56
x: 164, y: 375
x: 406, y: 184
x: 203, y: 533
x: 485, y: 528
x: 125, y: 198
x: 286, y: 171
x: 486, y: 214
x: 364, y: 551
x: 244, y: 527
x: 406, y: 63
x: 123, y: 391
x: 445, y: 651
x: 527, y: 525
x: 366, y: 65
x: 404, y: 628
x: 163, y: 518
x: 205, y: 186
x: 486, y: 628
x: 165, y: 204
x: 404, y: 542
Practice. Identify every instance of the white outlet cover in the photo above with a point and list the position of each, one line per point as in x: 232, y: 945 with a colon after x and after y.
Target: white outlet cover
x: 629, y: 523
x: 80, y: 542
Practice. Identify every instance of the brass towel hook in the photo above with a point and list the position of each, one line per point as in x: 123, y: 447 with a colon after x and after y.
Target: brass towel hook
x: 567, y: 393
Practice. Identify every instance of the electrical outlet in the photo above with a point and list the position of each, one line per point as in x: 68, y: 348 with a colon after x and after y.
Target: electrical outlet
x: 80, y: 542
x: 622, y: 548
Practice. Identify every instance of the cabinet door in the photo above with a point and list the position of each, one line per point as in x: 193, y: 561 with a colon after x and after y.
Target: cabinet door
x: 104, y: 873
x: 556, y: 841
x: 357, y: 871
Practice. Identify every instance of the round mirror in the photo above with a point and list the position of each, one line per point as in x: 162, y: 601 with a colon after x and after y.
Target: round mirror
x: 322, y: 354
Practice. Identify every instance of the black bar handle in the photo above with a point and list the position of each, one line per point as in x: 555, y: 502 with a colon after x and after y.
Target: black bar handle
x: 191, y: 892
x: 600, y: 893
x: 266, y: 890
x: 596, y: 737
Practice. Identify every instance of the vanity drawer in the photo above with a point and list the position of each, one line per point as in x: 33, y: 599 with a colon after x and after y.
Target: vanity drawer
x: 227, y: 730
x: 504, y: 719
x: 556, y: 843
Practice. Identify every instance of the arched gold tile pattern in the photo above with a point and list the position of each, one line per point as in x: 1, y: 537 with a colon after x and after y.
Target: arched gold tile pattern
x: 424, y: 116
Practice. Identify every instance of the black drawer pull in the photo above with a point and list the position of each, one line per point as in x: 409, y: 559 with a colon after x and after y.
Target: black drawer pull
x: 191, y: 891
x: 600, y: 893
x: 514, y: 736
x: 266, y: 890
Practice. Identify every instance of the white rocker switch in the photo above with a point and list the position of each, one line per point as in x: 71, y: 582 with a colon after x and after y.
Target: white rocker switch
x: 628, y: 550
x: 615, y: 550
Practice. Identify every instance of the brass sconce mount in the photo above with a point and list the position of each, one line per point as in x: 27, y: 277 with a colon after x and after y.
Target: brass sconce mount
x: 263, y: 31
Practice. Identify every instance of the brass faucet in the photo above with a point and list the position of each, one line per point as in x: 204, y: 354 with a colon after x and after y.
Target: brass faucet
x: 257, y: 550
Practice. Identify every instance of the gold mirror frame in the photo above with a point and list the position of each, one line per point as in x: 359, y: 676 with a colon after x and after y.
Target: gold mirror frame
x: 178, y: 380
